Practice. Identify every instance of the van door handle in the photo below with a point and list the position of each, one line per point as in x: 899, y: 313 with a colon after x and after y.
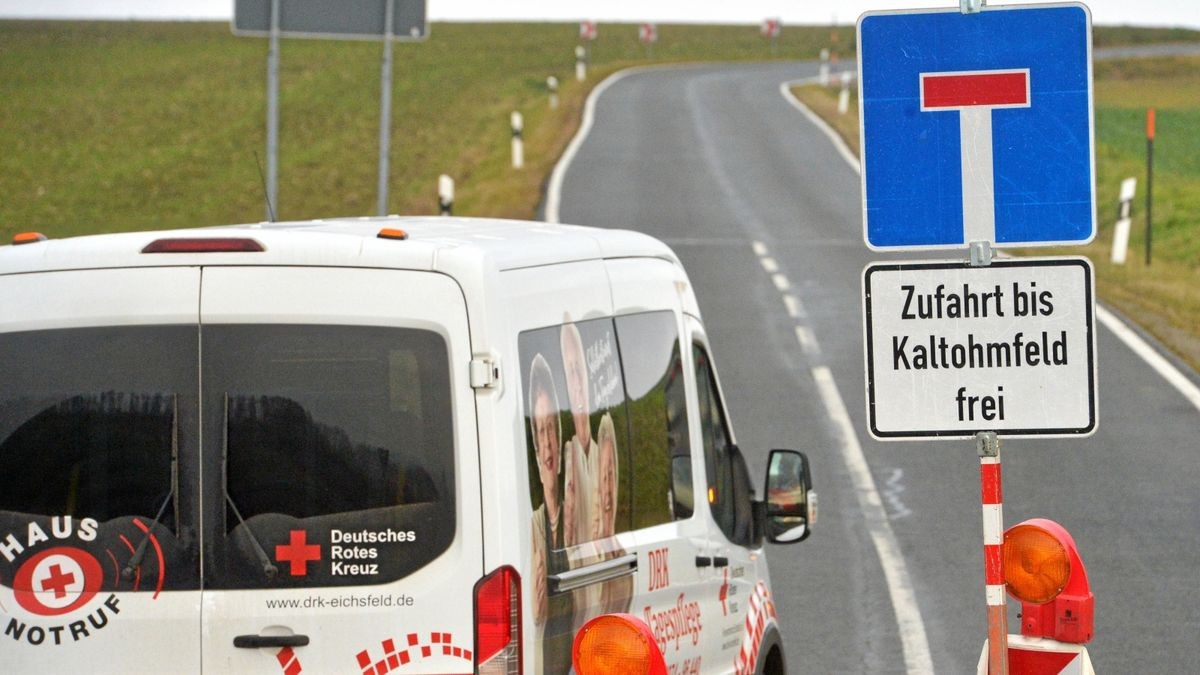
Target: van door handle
x: 720, y: 561
x: 256, y: 641
x: 593, y: 574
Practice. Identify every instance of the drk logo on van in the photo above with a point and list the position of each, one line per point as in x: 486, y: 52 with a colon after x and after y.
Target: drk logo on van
x: 56, y: 588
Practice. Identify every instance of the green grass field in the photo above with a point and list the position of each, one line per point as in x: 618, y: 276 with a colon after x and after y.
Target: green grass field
x: 113, y: 126
x: 1163, y: 297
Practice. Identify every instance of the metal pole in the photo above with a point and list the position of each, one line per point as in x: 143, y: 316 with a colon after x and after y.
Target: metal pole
x: 385, y: 108
x: 992, y: 500
x: 1149, y: 179
x: 273, y: 114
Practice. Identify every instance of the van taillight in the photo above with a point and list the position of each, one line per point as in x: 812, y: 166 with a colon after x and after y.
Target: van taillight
x: 204, y: 245
x: 498, y: 623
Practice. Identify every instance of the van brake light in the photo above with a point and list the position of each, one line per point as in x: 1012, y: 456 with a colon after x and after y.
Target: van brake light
x: 204, y: 245
x: 498, y: 623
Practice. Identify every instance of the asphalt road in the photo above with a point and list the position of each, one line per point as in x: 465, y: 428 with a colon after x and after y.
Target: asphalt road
x: 714, y: 160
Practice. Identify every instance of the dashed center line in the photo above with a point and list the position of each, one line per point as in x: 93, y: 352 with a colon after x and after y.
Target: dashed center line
x: 794, y: 308
x: 808, y: 341
x: 915, y: 644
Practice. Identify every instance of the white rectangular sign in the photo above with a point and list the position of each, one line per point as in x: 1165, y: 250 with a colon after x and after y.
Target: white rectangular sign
x: 953, y: 350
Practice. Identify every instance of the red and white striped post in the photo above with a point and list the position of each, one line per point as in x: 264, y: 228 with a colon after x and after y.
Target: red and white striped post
x: 992, y: 499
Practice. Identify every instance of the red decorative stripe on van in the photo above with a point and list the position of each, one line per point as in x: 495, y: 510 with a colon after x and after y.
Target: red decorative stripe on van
x: 438, y: 645
x: 761, y: 610
x: 289, y: 661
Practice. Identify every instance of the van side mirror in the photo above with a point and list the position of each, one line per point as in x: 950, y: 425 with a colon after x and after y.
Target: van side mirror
x: 790, y: 507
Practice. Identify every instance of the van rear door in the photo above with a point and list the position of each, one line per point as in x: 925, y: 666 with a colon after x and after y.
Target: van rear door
x: 99, y: 554
x: 341, y: 475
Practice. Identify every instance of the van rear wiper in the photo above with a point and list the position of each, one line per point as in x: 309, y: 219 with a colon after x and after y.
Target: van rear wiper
x: 135, y: 560
x: 269, y: 569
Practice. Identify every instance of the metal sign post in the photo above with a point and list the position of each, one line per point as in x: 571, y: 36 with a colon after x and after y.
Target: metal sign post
x: 385, y: 108
x: 387, y: 20
x: 991, y: 498
x: 272, y: 205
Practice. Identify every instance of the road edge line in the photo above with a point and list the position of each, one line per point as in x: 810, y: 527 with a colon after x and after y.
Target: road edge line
x: 1150, y: 355
x: 917, y: 658
x: 785, y: 89
x: 558, y: 175
x: 554, y: 188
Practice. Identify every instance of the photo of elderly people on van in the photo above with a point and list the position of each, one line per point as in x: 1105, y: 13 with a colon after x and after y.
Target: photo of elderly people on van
x: 574, y: 445
x: 547, y: 440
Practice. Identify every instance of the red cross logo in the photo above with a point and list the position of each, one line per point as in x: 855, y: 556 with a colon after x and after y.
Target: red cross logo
x: 58, y: 581
x: 298, y: 552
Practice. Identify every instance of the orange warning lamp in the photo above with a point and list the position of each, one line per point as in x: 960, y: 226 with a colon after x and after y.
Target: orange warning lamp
x: 617, y: 644
x: 1043, y: 570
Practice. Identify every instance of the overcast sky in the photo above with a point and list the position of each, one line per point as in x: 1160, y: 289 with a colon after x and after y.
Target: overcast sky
x: 1105, y: 12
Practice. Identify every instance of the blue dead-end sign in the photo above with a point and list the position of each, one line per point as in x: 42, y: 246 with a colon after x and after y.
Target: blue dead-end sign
x: 977, y: 127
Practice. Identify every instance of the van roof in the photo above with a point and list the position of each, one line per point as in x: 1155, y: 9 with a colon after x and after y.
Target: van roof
x: 350, y: 242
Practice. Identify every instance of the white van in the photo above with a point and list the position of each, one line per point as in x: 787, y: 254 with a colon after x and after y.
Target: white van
x: 402, y: 445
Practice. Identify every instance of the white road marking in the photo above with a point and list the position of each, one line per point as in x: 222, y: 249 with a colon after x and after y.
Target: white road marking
x: 554, y: 188
x: 808, y: 341
x: 769, y: 264
x: 917, y: 658
x: 794, y: 308
x: 760, y: 249
x: 785, y: 88
x: 1156, y: 361
x: 914, y: 642
x: 891, y: 494
x: 781, y: 282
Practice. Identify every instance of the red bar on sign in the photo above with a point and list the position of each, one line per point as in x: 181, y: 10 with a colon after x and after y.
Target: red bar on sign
x: 1150, y: 124
x: 957, y: 90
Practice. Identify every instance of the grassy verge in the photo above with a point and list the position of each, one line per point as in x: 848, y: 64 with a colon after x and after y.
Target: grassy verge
x: 112, y: 126
x: 1163, y: 297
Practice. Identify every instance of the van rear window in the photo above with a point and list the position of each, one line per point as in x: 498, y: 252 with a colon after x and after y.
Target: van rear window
x: 298, y: 455
x: 92, y: 423
x: 337, y: 453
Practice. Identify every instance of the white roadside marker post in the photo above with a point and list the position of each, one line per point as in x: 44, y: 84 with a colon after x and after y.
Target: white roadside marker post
x: 844, y: 96
x: 824, y: 72
x: 552, y: 87
x: 445, y: 195
x: 1120, y: 246
x: 580, y: 63
x: 518, y: 145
